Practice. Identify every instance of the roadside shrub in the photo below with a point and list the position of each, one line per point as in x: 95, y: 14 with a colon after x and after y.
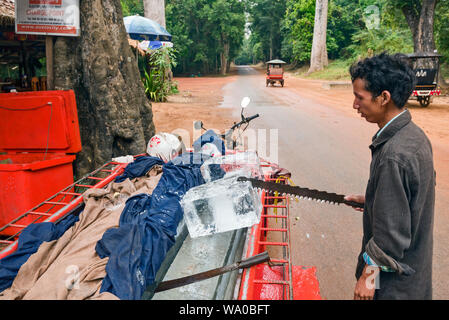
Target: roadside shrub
x: 156, y: 76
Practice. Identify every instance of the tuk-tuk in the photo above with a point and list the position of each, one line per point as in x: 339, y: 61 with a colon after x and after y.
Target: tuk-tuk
x: 426, y: 67
x: 275, y: 72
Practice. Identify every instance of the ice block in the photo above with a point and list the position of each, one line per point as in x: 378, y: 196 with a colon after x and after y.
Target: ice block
x: 221, y: 205
x: 241, y: 163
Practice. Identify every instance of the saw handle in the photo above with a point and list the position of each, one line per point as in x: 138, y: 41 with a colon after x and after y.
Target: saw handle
x: 354, y: 204
x: 259, y: 258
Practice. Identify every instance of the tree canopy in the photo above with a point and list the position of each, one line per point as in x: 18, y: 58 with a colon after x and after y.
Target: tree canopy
x: 210, y: 33
x: 206, y: 33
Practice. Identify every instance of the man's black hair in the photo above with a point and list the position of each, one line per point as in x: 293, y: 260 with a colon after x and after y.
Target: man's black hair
x: 386, y: 72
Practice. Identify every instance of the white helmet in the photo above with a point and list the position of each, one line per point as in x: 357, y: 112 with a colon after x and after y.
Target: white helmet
x: 165, y: 146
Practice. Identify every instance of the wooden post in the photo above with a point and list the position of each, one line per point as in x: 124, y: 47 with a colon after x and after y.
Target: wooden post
x: 49, y: 58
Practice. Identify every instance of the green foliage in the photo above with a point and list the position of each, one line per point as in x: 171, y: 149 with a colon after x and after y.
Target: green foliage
x: 132, y: 7
x: 370, y: 42
x: 246, y: 53
x: 298, y: 29
x: 442, y: 29
x: 265, y: 22
x: 345, y: 18
x: 392, y: 33
x: 203, y: 30
x: 155, y: 80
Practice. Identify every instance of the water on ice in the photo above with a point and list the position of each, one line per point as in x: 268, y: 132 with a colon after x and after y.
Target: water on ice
x: 239, y: 164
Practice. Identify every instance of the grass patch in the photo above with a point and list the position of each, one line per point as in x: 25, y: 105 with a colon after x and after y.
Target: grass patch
x: 444, y: 69
x: 336, y: 70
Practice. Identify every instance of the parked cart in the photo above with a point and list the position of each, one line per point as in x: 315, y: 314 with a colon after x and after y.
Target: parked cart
x: 426, y: 67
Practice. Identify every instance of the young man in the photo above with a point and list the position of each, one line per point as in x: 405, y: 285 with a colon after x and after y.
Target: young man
x: 400, y: 195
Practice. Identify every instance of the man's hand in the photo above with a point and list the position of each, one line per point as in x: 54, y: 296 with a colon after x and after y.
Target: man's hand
x: 365, y: 286
x: 356, y: 198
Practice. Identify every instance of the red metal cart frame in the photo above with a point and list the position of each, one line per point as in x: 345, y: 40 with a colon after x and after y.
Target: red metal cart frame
x: 62, y: 203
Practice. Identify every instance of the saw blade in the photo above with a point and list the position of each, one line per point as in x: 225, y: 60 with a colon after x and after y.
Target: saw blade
x: 305, y: 193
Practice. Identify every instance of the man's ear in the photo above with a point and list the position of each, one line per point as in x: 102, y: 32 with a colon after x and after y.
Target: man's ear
x: 386, y: 97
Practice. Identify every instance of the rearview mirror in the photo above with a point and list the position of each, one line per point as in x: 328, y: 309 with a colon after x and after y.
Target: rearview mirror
x: 245, y: 102
x: 198, y: 124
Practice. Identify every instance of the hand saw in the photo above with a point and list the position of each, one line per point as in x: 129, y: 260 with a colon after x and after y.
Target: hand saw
x: 292, y: 191
x: 246, y: 263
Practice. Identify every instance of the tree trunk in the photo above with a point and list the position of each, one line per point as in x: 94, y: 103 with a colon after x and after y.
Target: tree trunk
x: 114, y: 114
x: 155, y: 10
x: 420, y: 18
x: 318, y: 56
x: 224, y: 58
x: 271, y: 46
x: 223, y: 63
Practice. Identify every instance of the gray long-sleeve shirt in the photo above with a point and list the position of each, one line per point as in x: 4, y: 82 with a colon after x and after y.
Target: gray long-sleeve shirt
x: 399, y: 211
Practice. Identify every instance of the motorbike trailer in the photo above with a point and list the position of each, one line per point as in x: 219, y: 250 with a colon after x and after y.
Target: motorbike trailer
x: 277, y: 279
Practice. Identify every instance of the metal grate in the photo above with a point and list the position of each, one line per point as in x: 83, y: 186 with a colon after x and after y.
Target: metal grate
x: 60, y: 204
x: 272, y: 234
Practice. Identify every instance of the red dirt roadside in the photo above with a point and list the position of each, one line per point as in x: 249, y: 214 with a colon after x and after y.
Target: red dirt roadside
x: 198, y: 99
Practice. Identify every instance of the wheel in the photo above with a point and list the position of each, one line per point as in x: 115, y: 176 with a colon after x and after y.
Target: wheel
x: 282, y: 83
x: 424, y: 101
x: 266, y: 84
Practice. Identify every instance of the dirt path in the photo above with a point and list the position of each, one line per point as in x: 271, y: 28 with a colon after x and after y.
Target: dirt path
x: 197, y: 99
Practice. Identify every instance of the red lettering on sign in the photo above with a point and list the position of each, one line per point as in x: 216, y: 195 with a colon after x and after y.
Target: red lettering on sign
x: 45, y: 28
x: 52, y: 2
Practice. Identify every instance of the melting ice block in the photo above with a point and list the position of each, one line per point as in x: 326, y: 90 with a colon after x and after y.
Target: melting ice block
x: 239, y: 164
x: 221, y: 205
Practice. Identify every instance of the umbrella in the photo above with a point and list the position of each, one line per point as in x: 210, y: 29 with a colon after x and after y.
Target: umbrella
x: 141, y: 28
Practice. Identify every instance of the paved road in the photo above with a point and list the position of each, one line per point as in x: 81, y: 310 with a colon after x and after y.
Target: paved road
x: 324, y: 149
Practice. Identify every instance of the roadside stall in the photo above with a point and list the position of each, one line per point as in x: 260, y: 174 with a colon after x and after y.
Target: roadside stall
x: 39, y: 133
x: 22, y: 56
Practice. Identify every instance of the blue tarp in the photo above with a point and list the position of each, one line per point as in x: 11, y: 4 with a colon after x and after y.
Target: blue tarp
x: 147, y: 230
x: 28, y: 243
x: 209, y: 137
x: 139, y: 167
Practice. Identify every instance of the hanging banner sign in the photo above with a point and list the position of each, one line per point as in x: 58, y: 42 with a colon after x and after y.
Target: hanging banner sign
x: 48, y: 17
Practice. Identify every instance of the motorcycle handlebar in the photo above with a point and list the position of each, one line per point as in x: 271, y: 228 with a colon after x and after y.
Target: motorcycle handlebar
x: 252, y: 117
x: 245, y: 120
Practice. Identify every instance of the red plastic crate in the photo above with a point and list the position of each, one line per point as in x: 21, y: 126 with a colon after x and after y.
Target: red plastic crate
x: 28, y: 181
x: 39, y: 135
